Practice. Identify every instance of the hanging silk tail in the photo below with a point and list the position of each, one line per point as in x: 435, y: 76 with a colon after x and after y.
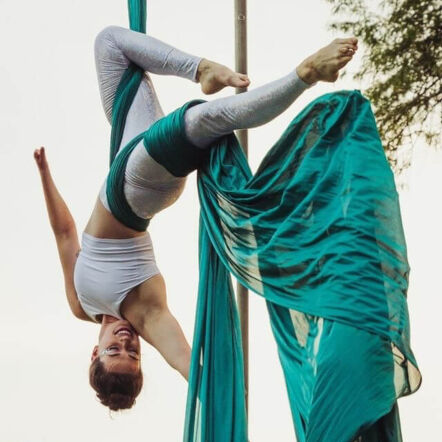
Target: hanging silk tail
x: 317, y: 232
x: 216, y: 395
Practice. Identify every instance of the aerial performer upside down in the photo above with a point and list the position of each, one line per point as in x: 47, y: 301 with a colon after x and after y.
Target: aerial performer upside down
x: 335, y: 327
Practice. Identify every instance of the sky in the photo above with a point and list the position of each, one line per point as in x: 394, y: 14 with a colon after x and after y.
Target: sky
x: 50, y: 97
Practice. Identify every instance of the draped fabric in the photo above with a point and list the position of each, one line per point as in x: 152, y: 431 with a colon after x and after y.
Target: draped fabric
x: 317, y: 232
x: 165, y: 141
x: 130, y: 82
x: 124, y: 97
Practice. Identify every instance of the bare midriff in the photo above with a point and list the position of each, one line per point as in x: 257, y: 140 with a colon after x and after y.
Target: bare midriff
x: 102, y: 224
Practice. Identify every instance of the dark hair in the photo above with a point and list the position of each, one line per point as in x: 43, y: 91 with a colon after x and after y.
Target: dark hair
x: 115, y: 390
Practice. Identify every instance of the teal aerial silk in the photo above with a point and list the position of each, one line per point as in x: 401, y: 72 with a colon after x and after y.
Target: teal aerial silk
x: 130, y: 82
x: 124, y: 96
x: 317, y: 232
x: 170, y: 148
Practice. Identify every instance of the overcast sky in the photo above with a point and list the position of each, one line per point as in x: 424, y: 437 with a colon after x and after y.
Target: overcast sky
x: 50, y: 97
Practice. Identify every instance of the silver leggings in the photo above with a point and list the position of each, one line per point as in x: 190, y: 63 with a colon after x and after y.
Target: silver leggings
x: 149, y: 187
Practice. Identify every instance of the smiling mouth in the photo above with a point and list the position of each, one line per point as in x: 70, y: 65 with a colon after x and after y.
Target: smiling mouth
x: 124, y: 331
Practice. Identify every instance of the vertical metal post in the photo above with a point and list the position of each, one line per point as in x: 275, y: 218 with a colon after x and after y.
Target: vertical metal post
x: 241, y: 66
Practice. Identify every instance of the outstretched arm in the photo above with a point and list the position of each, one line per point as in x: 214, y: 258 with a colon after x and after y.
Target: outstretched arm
x: 163, y: 332
x: 64, y: 229
x: 146, y: 309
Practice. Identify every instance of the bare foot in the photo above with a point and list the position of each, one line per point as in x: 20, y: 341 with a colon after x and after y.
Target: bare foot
x: 324, y: 65
x: 214, y: 77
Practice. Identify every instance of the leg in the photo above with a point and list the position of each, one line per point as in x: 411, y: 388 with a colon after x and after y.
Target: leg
x: 149, y: 187
x: 116, y: 47
x: 208, y: 121
x: 148, y: 192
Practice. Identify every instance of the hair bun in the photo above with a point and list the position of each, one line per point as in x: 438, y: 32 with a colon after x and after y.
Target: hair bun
x: 115, y: 390
x: 118, y: 401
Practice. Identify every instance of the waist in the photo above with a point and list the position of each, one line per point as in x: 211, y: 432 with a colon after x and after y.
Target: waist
x: 102, y: 224
x: 139, y: 246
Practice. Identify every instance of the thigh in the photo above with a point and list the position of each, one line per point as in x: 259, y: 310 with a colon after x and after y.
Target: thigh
x: 143, y: 112
x: 111, y: 64
x: 149, y: 188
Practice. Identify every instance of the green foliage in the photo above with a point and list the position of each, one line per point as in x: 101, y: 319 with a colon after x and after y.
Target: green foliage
x: 402, y: 63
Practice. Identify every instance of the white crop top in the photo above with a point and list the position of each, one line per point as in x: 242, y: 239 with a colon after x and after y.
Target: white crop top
x: 108, y: 269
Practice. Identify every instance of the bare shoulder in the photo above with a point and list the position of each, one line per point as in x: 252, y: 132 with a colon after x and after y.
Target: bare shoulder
x: 145, y: 300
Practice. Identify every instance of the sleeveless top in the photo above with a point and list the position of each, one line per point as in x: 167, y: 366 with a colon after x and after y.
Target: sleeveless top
x: 108, y: 269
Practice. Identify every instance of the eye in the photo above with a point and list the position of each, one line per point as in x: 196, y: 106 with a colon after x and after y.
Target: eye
x: 113, y: 349
x: 134, y: 354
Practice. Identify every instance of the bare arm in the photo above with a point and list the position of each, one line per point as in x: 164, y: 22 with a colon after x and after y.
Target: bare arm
x: 162, y: 330
x: 146, y: 309
x: 64, y: 229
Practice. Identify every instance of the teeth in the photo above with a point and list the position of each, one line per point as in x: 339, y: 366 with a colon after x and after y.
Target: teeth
x: 124, y: 332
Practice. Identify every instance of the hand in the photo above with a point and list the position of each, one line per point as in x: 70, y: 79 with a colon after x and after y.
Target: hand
x: 40, y: 159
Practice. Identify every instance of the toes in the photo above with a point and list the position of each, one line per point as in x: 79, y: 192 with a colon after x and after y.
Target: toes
x: 351, y: 40
x: 346, y: 50
x: 347, y: 43
x: 239, y: 80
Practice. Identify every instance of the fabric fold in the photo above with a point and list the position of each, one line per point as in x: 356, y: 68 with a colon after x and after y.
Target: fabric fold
x: 317, y: 232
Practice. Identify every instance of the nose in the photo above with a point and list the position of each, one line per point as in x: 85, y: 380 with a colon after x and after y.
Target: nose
x: 125, y: 338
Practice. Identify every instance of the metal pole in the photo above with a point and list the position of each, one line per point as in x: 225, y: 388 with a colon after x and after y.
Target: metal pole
x: 241, y: 66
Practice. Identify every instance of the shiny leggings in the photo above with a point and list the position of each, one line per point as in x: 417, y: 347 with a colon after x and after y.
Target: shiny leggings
x: 149, y: 187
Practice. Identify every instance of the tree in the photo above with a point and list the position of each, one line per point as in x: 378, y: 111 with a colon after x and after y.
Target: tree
x: 402, y: 63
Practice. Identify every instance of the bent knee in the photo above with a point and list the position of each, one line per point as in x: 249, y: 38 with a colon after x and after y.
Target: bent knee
x: 106, y: 41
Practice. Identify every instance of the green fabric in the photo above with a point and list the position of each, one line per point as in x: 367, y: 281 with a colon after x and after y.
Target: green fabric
x: 167, y: 143
x: 124, y: 97
x: 317, y: 232
x: 130, y: 82
x: 115, y: 190
x: 168, y: 147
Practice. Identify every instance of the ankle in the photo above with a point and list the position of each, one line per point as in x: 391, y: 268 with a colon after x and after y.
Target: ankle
x: 203, y: 66
x: 307, y: 73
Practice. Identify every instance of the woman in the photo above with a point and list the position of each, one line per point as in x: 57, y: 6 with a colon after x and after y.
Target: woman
x: 113, y: 278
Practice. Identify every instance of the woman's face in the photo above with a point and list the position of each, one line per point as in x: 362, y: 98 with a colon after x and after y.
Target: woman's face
x: 118, y: 346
